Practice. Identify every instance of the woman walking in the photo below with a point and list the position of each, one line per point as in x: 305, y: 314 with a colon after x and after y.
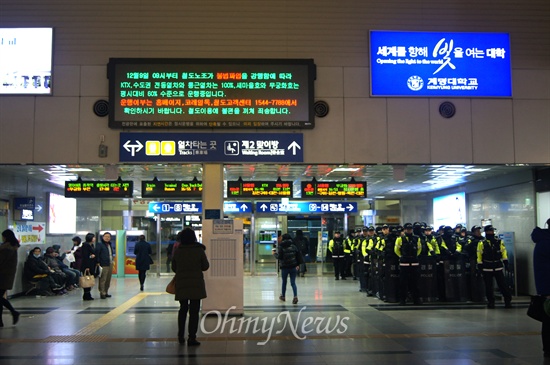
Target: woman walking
x: 143, y: 252
x: 541, y: 263
x: 8, y: 267
x: 189, y: 262
x: 290, y: 259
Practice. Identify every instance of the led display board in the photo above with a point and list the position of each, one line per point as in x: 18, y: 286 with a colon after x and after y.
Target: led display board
x: 211, y: 93
x: 431, y: 64
x: 259, y: 188
x: 26, y: 61
x: 333, y: 189
x: 449, y: 210
x: 99, y: 189
x: 171, y: 189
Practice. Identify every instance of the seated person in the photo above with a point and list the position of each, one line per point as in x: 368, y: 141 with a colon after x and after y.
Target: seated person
x: 57, y: 274
x: 73, y: 275
x: 35, y: 269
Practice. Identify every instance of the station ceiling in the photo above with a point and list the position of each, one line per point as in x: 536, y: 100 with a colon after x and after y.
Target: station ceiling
x: 383, y: 181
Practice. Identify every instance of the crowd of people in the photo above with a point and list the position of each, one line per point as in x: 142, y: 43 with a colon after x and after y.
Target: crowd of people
x: 415, y: 263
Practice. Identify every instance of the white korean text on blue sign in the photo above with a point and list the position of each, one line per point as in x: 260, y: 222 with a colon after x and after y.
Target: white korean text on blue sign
x: 440, y: 64
x: 211, y: 147
x: 306, y: 207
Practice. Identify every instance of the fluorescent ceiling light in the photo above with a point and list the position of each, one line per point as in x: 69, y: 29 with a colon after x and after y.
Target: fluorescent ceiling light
x: 345, y: 169
x: 399, y: 191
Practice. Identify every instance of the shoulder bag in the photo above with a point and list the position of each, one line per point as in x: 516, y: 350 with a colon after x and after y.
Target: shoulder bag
x: 87, y: 280
x: 536, y: 308
x: 171, y: 287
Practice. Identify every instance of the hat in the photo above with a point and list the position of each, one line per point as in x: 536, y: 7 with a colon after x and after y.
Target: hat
x: 408, y: 226
x: 365, y: 229
x: 441, y: 227
x: 385, y: 226
x: 399, y: 228
x: 458, y: 226
x: 475, y: 228
x: 428, y: 228
x: 488, y: 228
x: 371, y: 228
x: 335, y: 232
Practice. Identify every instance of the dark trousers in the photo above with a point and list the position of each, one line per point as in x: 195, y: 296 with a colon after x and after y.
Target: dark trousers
x: 360, y: 273
x: 192, y: 306
x: 339, y: 267
x: 5, y: 303
x: 545, y: 333
x: 408, y: 282
x: 489, y: 287
x: 142, y: 274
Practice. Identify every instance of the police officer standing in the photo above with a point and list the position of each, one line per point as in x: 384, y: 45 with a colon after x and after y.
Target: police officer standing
x: 336, y: 248
x: 348, y: 252
x: 408, y: 247
x: 492, y: 258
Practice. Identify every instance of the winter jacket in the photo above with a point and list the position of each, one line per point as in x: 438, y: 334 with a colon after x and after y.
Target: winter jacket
x: 189, y: 262
x: 102, y: 252
x: 143, y: 252
x: 288, y: 255
x: 541, y: 260
x: 35, y: 266
x: 8, y: 265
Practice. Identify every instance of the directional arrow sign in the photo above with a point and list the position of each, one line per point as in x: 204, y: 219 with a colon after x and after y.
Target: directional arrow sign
x: 237, y: 207
x: 211, y: 147
x: 175, y: 207
x: 307, y: 207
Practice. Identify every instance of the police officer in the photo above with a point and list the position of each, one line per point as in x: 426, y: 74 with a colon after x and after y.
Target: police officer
x: 380, y: 250
x: 492, y: 258
x: 336, y: 248
x: 408, y: 248
x: 361, y: 260
x: 349, y: 243
x: 367, y: 248
x: 473, y: 276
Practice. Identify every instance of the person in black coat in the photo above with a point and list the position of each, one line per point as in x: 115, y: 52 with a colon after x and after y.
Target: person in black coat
x: 36, y: 270
x: 8, y: 268
x: 290, y: 258
x: 88, y: 262
x: 541, y: 263
x: 143, y: 252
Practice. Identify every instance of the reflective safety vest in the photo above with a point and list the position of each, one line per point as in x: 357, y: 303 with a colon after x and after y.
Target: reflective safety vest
x: 336, y: 247
x: 491, y: 253
x: 408, y: 248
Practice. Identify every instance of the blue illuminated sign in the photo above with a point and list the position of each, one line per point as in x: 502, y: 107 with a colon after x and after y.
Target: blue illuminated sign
x: 237, y: 207
x: 175, y: 208
x: 211, y: 147
x: 440, y: 64
x: 306, y: 207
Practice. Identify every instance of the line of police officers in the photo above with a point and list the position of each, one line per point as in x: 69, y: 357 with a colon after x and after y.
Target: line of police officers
x: 412, y: 263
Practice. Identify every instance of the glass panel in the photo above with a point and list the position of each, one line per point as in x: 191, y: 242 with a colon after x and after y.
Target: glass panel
x: 266, y: 232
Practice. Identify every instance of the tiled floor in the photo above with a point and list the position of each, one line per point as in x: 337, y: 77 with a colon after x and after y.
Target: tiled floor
x: 332, y: 324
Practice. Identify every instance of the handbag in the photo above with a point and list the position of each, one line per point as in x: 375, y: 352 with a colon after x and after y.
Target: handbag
x: 171, y: 287
x: 536, y: 308
x: 87, y: 280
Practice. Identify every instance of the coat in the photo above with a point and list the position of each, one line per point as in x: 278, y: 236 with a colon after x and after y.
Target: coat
x: 102, y: 252
x: 8, y: 265
x: 143, y: 252
x: 541, y: 260
x: 87, y: 262
x: 189, y: 262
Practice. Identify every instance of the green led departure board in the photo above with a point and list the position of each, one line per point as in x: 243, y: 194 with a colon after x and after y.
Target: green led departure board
x: 211, y: 93
x: 171, y: 189
x: 99, y: 189
x: 259, y: 188
x: 332, y: 189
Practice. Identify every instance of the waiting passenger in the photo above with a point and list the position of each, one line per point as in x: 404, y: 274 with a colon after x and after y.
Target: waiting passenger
x: 58, y: 275
x: 73, y: 275
x: 36, y: 270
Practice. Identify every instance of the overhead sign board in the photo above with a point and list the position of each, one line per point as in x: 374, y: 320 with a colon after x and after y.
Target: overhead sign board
x: 440, y: 64
x: 237, y: 207
x: 211, y: 147
x: 211, y: 93
x: 99, y: 189
x: 175, y: 207
x: 334, y: 189
x: 171, y: 189
x: 306, y: 207
x: 259, y: 188
x: 24, y: 203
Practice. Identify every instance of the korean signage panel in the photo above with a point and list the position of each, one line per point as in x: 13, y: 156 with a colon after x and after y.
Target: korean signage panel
x: 259, y: 188
x: 167, y: 189
x: 211, y: 147
x: 99, y: 189
x: 235, y: 207
x: 175, y: 207
x: 430, y: 64
x: 334, y: 189
x: 211, y: 93
x: 306, y: 207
